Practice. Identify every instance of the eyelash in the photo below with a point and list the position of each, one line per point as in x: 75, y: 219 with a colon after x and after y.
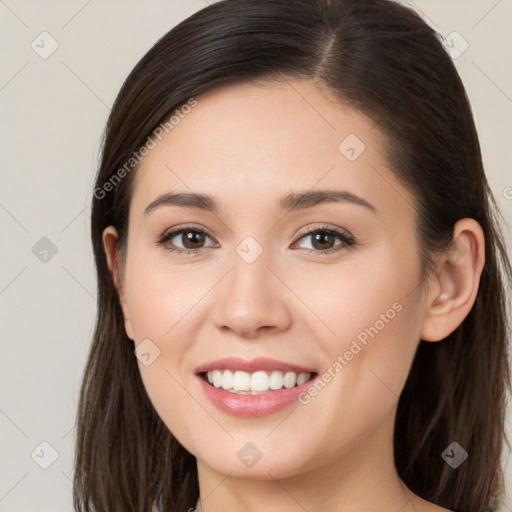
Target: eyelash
x: 346, y: 240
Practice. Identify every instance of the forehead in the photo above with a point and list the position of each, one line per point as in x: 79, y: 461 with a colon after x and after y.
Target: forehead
x: 252, y: 143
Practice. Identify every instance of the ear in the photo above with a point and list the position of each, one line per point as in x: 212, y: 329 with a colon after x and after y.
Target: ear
x: 455, y: 285
x: 110, y: 238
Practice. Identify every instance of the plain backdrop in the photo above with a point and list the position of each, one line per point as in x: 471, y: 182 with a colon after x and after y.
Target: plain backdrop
x: 53, y: 110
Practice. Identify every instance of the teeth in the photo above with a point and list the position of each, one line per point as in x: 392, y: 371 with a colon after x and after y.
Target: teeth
x: 257, y: 382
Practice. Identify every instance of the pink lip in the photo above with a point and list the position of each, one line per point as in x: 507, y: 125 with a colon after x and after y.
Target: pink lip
x: 252, y: 405
x: 261, y: 363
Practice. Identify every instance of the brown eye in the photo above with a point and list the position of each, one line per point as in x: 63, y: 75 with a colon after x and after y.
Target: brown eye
x: 192, y: 239
x: 188, y: 240
x: 323, y: 240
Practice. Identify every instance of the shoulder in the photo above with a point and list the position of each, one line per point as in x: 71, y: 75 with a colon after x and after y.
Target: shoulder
x: 421, y: 505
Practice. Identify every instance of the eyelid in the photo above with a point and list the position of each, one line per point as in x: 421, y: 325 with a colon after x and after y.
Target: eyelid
x: 325, y: 227
x: 179, y: 228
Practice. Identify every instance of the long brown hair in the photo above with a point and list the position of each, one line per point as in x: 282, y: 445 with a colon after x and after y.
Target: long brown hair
x: 383, y: 59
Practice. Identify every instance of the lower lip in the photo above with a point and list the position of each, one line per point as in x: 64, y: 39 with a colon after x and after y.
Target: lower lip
x: 253, y: 405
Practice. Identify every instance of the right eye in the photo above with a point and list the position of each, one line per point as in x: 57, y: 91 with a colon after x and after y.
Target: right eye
x: 190, y: 237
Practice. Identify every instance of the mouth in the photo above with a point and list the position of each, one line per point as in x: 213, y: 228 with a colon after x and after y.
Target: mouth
x: 259, y: 382
x: 256, y: 387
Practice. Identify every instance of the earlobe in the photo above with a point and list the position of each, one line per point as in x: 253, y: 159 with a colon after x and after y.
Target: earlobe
x: 456, y: 282
x: 110, y: 239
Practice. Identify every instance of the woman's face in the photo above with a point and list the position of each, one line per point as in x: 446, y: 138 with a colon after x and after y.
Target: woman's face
x: 254, y: 283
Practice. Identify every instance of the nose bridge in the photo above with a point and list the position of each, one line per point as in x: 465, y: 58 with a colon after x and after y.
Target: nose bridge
x: 250, y: 278
x: 250, y: 274
x: 251, y: 297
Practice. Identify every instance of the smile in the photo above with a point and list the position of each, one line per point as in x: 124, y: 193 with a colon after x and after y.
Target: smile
x: 254, y: 394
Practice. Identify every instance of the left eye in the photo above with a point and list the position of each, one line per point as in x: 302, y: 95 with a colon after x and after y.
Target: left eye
x: 322, y: 240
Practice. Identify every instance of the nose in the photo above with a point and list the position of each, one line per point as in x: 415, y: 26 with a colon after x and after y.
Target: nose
x: 251, y: 300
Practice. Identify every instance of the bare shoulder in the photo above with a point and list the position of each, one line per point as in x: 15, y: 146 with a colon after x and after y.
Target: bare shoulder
x: 436, y: 508
x: 421, y: 505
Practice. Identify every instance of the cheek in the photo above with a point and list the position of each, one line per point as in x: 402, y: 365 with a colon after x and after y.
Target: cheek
x: 366, y: 363
x: 370, y: 326
x: 164, y: 304
x: 363, y: 298
x: 161, y: 298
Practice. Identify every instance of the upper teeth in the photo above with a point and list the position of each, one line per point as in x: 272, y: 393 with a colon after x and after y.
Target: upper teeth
x: 257, y: 381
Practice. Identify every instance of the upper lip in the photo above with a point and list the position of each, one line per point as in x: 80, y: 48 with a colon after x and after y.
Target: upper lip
x: 250, y: 366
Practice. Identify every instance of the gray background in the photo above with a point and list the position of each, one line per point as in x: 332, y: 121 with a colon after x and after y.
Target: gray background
x: 53, y: 111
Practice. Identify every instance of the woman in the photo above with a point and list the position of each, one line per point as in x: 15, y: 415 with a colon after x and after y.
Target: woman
x: 300, y: 298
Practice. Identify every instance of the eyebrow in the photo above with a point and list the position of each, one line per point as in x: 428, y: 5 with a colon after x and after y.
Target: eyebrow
x: 293, y: 201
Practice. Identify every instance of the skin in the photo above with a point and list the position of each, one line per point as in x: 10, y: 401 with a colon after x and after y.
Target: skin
x: 247, y: 146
